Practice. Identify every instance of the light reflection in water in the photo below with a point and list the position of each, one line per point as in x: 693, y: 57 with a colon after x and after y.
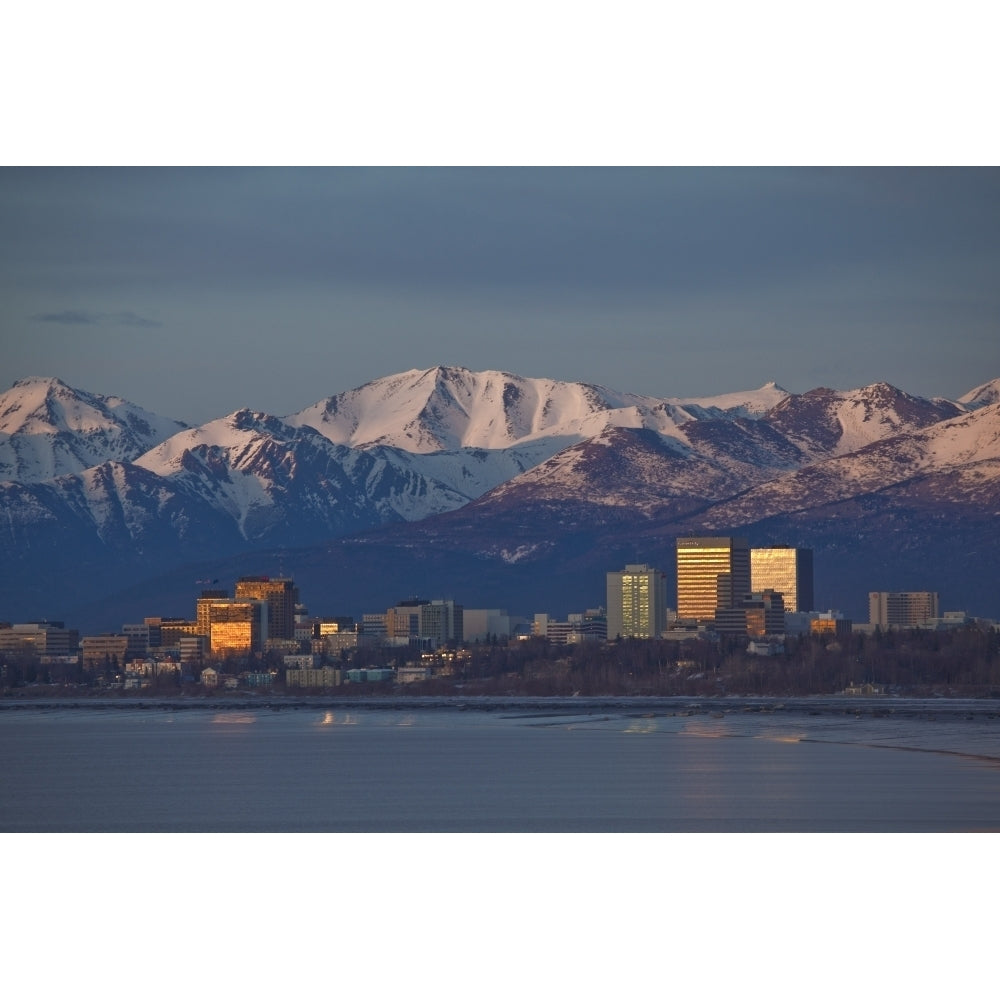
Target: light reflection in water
x: 234, y: 718
x: 641, y: 726
x: 330, y: 719
x: 705, y: 728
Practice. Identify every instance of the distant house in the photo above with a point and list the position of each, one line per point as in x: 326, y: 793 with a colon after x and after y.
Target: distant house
x: 210, y: 677
x: 864, y: 689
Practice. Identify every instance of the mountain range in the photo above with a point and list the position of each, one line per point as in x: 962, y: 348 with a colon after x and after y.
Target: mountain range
x: 496, y: 489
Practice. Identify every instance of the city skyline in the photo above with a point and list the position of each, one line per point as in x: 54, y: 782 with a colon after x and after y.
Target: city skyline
x: 708, y: 568
x: 301, y: 283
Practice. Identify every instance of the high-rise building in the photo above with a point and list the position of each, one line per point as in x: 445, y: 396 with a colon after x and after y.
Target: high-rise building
x: 237, y: 626
x: 281, y: 595
x: 438, y: 621
x: 905, y: 609
x: 786, y: 570
x: 637, y: 603
x: 712, y: 573
x: 208, y: 597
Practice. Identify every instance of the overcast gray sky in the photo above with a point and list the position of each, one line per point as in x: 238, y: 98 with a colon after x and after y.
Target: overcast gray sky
x: 194, y: 292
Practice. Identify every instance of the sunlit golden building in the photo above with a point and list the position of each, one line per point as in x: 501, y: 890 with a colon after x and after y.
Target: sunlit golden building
x: 237, y: 626
x: 786, y: 570
x: 712, y: 573
x: 281, y: 595
x: 637, y: 603
x: 207, y: 599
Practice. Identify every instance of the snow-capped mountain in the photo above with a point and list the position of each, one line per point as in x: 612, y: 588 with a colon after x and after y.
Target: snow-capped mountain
x: 48, y: 429
x: 824, y: 422
x: 964, y: 450
x: 982, y: 395
x: 273, y: 478
x: 450, y: 409
x: 498, y: 471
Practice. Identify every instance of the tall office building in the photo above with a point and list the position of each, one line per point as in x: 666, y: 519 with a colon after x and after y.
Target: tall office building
x: 785, y: 570
x: 906, y: 609
x: 439, y: 621
x: 637, y: 603
x: 281, y: 595
x: 237, y: 626
x: 203, y: 604
x: 711, y: 573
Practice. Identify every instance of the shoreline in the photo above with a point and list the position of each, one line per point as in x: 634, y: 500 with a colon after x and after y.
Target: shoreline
x: 876, y: 706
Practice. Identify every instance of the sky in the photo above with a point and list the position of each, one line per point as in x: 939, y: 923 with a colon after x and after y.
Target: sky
x: 196, y: 291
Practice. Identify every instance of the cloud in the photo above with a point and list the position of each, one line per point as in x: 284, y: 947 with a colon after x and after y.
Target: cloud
x: 128, y: 318
x: 81, y: 317
x: 69, y: 317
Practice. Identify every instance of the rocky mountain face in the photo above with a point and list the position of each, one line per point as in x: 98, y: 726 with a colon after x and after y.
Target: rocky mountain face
x: 490, y: 487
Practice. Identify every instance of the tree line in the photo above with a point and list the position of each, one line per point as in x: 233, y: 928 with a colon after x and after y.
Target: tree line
x: 959, y: 662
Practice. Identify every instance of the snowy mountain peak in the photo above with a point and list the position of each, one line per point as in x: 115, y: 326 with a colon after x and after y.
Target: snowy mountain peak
x: 982, y: 395
x: 444, y: 409
x: 754, y: 403
x: 48, y: 429
x: 824, y: 422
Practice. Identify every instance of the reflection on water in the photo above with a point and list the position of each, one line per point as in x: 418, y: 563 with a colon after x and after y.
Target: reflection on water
x: 330, y: 719
x: 641, y: 726
x: 705, y: 728
x: 779, y: 735
x: 234, y: 719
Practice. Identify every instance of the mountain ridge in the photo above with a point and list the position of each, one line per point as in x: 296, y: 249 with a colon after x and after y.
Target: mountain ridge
x: 495, y: 470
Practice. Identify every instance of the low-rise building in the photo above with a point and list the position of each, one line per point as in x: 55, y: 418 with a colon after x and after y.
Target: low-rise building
x: 258, y: 678
x: 830, y: 623
x: 101, y: 649
x: 360, y: 675
x: 39, y: 638
x: 300, y: 661
x: 313, y: 677
x: 412, y: 672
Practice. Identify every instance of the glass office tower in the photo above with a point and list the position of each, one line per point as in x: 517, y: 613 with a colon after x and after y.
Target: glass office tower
x: 787, y: 571
x: 711, y: 573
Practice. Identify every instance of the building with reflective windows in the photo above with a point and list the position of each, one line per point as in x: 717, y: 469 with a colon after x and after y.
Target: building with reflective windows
x: 237, y: 626
x: 785, y: 570
x: 281, y: 595
x: 712, y: 573
x: 637, y: 603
